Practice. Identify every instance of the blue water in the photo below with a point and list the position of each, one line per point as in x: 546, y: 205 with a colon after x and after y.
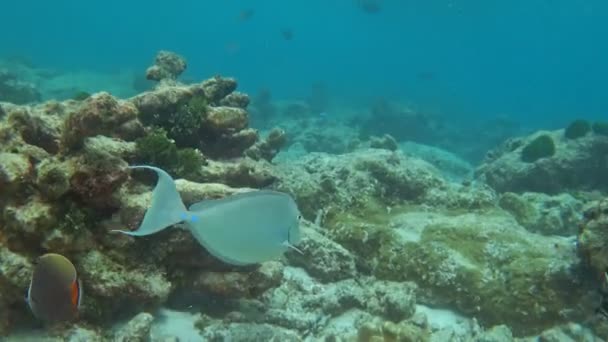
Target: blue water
x: 538, y: 61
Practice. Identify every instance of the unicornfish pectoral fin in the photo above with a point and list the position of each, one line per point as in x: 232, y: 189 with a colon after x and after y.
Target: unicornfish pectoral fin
x: 288, y: 245
x: 166, y: 209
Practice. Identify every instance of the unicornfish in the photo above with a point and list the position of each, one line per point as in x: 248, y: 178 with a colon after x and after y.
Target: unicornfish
x: 240, y: 229
x: 54, y: 293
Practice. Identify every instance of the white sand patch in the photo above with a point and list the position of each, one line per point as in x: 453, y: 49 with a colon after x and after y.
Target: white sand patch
x: 169, y: 323
x: 440, y: 319
x: 409, y: 226
x: 346, y: 324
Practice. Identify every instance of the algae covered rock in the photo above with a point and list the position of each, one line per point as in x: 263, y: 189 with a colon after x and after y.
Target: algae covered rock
x: 593, y: 237
x: 541, y: 147
x: 577, y: 164
x: 269, y: 147
x: 240, y: 283
x: 321, y: 257
x: 544, y: 214
x: 167, y: 65
x: 135, y: 330
x: 483, y: 264
x: 100, y: 114
x: 15, y: 273
x: 600, y: 128
x: 113, y: 288
x: 15, y: 172
x: 321, y: 182
x: 577, y: 129
x: 39, y: 126
x: 217, y: 88
x: 226, y: 119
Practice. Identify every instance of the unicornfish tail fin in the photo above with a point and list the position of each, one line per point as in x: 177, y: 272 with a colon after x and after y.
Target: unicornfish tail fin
x: 166, y: 209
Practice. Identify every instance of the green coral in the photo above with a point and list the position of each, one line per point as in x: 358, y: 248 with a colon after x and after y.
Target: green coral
x: 184, y: 124
x: 157, y: 149
x: 577, y: 129
x: 541, y: 147
x: 600, y: 127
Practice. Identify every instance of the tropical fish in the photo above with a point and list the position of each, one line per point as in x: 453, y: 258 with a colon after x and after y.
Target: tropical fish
x: 54, y: 293
x: 241, y: 229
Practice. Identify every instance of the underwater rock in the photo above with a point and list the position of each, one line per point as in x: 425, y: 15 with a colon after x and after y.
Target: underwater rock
x: 135, y: 330
x: 567, y: 332
x: 238, y: 284
x: 217, y: 88
x: 102, y: 145
x: 100, y: 114
x: 236, y: 100
x: 599, y: 128
x: 163, y: 101
x: 81, y: 333
x: 540, y: 147
x: 36, y: 128
x: 578, y: 164
x: 386, y: 142
x: 314, y: 308
x: 52, y: 178
x: 593, y: 237
x: 226, y: 119
x: 461, y: 196
x: 243, y: 172
x: 167, y: 66
x: 114, y: 288
x: 321, y: 257
x: 231, y: 145
x: 544, y: 214
x: 389, y: 331
x: 394, y: 301
x: 498, y: 333
x: 192, y: 118
x: 15, y: 274
x: 577, y: 129
x: 15, y: 171
x: 96, y: 178
x: 24, y: 223
x: 370, y: 177
x: 269, y: 147
x: 248, y: 332
x: 482, y: 263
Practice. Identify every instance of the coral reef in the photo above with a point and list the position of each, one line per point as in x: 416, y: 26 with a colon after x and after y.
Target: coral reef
x: 577, y: 164
x: 600, y: 127
x: 593, y: 236
x: 397, y: 242
x: 544, y: 214
x: 540, y: 147
x: 577, y: 129
x: 167, y: 66
x: 386, y: 142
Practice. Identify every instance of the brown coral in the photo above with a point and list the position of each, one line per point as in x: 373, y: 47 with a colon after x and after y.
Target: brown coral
x: 99, y: 114
x: 167, y: 66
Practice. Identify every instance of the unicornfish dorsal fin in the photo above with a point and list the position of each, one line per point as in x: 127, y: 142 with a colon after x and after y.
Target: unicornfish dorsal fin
x: 166, y: 209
